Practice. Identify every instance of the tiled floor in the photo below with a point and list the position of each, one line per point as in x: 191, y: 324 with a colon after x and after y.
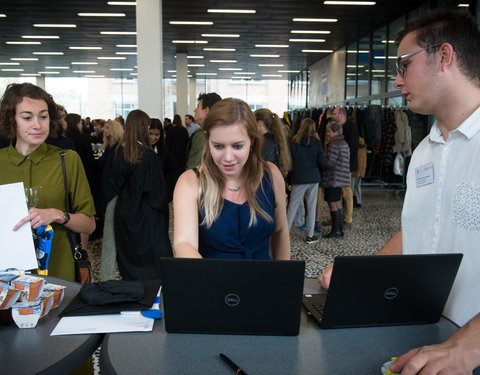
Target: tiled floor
x: 373, y: 225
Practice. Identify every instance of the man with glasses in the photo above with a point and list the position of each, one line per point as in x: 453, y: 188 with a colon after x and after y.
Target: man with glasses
x: 439, y: 74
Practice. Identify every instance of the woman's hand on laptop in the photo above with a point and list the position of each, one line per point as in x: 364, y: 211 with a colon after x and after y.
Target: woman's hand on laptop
x: 324, y: 278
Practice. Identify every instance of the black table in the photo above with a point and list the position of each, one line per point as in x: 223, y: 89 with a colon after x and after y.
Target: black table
x: 358, y: 351
x: 33, y: 350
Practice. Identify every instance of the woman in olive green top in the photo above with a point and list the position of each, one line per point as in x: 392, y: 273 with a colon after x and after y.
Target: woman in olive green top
x: 25, y: 115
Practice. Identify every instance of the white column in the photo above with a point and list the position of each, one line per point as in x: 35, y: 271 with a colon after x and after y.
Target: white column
x: 182, y: 84
x: 150, y: 57
x: 192, y: 93
x: 40, y: 81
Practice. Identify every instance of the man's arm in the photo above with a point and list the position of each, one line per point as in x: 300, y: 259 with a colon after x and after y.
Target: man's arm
x: 459, y: 354
x: 392, y: 247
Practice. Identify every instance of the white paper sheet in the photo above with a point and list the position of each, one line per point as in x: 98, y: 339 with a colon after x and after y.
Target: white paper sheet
x: 16, y: 248
x: 111, y: 323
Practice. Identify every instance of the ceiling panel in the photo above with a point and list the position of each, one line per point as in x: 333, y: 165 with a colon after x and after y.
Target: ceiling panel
x: 271, y: 24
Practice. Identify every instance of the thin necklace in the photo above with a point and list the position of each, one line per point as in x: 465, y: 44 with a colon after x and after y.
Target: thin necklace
x: 236, y: 188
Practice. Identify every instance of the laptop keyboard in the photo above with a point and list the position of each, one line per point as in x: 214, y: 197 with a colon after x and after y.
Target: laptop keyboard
x: 320, y: 307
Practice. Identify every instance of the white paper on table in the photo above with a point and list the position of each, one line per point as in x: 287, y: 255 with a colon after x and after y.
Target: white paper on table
x: 16, y: 249
x: 110, y: 323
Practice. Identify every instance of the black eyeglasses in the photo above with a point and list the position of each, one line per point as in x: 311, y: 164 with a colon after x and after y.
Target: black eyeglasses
x: 401, y: 67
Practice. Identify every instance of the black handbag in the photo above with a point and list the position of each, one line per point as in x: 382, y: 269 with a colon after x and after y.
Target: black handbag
x: 83, y: 267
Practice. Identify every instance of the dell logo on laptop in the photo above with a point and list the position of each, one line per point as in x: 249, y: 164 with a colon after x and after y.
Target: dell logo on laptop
x: 232, y: 299
x: 391, y: 293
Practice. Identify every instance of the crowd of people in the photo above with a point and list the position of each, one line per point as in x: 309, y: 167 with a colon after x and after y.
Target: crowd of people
x: 237, y: 178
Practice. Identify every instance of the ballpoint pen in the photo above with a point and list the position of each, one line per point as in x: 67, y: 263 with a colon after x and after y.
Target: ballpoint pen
x: 232, y: 365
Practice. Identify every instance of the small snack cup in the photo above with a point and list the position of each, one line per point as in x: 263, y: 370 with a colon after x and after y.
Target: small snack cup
x: 31, y: 287
x: 8, y: 277
x: 8, y: 296
x: 26, y: 314
x: 58, y: 293
x: 47, y: 302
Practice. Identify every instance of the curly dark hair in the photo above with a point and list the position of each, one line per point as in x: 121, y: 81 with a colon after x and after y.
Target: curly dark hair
x: 13, y: 95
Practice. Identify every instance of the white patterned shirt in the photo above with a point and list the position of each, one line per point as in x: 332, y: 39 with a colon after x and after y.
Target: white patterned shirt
x: 444, y: 216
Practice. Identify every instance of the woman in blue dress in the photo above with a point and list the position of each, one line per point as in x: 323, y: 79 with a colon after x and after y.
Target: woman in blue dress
x: 232, y: 206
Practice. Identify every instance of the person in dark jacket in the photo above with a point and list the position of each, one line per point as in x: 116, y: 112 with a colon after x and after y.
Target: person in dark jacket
x: 336, y: 175
x: 275, y: 143
x: 177, y: 142
x: 134, y: 174
x: 58, y: 129
x: 307, y: 160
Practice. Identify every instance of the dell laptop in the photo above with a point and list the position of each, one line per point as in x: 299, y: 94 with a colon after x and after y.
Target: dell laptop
x: 387, y: 290
x: 220, y: 296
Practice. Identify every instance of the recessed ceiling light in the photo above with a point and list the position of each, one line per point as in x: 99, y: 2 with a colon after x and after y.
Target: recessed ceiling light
x: 24, y: 58
x: 61, y: 25
x: 30, y: 74
x: 196, y: 65
x: 195, y: 57
x: 134, y: 74
x: 118, y: 32
x: 317, y: 50
x: 463, y: 5
x: 315, y: 20
x: 220, y: 35
x: 191, y: 23
x: 273, y: 56
x: 95, y: 76
x: 238, y: 11
x: 57, y: 67
x: 9, y: 63
x: 111, y: 58
x: 220, y: 49
x: 241, y: 77
x: 84, y: 63
x: 271, y: 45
x: 40, y: 37
x: 288, y: 71
x: 325, y: 32
x: 273, y: 65
x: 49, y: 53
x: 126, y: 53
x: 230, y: 69
x: 190, y: 41
x: 223, y: 61
x: 12, y: 70
x: 49, y: 72
x: 121, y: 69
x: 272, y: 75
x: 37, y: 43
x: 84, y: 71
x: 126, y: 46
x: 207, y: 74
x: 307, y: 40
x: 245, y: 73
x: 101, y: 14
x: 3, y: 15
x: 132, y: 3
x: 92, y: 48
x: 349, y: 3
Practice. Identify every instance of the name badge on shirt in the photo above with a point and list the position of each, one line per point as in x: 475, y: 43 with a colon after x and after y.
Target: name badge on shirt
x: 424, y: 175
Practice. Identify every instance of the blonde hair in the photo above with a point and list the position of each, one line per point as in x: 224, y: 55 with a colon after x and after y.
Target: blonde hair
x: 307, y: 128
x: 275, y: 126
x: 116, y: 133
x: 227, y: 112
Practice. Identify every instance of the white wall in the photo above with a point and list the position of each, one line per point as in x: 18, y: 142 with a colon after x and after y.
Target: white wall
x: 327, y: 75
